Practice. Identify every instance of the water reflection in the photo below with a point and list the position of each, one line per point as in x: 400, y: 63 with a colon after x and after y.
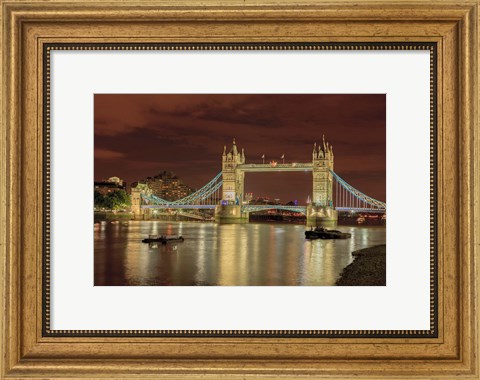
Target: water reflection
x: 228, y: 254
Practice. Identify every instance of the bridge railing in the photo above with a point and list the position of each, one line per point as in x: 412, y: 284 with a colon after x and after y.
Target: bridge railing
x: 202, y: 194
x: 277, y: 165
x: 348, y: 197
x: 254, y: 208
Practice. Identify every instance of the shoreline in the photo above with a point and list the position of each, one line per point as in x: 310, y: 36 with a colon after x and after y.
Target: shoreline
x: 367, y: 269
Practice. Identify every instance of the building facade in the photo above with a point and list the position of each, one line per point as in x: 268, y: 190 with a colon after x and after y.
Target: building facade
x: 166, y: 185
x: 109, y: 185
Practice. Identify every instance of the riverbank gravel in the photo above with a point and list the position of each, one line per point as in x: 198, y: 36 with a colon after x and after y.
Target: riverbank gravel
x: 367, y: 269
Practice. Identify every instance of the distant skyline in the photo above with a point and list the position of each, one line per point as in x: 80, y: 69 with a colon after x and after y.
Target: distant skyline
x: 139, y: 135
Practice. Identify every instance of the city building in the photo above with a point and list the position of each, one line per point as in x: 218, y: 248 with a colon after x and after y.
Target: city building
x: 166, y: 185
x: 261, y: 201
x: 109, y: 185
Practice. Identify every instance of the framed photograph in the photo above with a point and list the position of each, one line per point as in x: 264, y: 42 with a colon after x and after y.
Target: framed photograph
x: 253, y: 205
x: 201, y: 189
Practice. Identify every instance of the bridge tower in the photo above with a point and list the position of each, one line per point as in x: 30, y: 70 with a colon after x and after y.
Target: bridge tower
x: 230, y: 209
x: 321, y: 211
x: 233, y: 180
x: 136, y: 198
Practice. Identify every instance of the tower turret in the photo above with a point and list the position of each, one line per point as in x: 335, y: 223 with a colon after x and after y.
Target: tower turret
x: 321, y: 153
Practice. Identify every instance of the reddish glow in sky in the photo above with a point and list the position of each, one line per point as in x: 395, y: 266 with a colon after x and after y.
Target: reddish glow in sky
x: 140, y: 135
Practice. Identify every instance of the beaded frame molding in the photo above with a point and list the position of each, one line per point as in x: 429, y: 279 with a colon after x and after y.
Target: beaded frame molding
x: 46, y: 268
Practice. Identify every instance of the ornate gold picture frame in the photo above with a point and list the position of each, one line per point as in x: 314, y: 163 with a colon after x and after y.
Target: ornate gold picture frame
x: 31, y: 30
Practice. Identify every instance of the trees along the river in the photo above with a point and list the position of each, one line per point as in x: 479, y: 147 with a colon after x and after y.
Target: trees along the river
x: 115, y: 200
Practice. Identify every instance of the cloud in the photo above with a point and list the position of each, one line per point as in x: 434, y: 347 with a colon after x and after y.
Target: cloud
x: 106, y: 154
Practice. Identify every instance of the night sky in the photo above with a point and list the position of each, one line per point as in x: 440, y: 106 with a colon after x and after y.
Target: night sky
x: 139, y: 135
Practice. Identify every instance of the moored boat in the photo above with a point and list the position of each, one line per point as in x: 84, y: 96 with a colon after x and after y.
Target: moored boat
x: 323, y: 233
x: 164, y: 239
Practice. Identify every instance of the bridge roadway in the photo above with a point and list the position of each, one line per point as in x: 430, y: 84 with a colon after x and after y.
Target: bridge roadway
x: 277, y: 167
x: 254, y: 208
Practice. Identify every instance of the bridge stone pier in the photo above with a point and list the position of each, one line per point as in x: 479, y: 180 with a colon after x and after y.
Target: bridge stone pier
x: 231, y: 214
x: 320, y: 212
x: 321, y: 216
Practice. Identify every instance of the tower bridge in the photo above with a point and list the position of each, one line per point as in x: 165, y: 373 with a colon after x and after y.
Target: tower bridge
x: 225, y: 192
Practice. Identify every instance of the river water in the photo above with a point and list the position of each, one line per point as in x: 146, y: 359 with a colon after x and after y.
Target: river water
x: 223, y: 254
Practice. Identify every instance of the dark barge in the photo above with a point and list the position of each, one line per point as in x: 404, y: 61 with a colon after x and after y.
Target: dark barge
x: 163, y: 239
x: 323, y: 233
